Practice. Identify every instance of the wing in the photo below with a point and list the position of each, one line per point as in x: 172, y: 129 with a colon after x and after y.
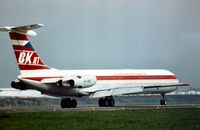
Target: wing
x: 116, y: 91
x: 168, y: 85
x: 129, y: 90
x: 10, y: 92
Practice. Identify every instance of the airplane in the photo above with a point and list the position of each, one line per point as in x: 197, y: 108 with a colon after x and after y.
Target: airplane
x: 69, y: 84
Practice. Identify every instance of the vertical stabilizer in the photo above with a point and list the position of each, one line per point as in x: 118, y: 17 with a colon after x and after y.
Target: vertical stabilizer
x: 26, y: 56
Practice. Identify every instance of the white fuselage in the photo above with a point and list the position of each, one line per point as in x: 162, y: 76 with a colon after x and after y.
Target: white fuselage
x: 106, y: 79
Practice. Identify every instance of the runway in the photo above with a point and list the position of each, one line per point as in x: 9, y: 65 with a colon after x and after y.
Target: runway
x: 95, y: 108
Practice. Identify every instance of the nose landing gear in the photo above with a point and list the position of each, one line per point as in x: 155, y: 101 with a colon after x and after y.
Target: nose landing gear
x: 163, y: 100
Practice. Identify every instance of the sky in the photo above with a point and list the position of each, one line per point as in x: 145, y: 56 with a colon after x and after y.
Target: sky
x: 107, y: 34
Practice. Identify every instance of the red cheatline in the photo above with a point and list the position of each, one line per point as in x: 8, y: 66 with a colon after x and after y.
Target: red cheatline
x: 149, y: 77
x: 41, y: 78
x: 140, y: 77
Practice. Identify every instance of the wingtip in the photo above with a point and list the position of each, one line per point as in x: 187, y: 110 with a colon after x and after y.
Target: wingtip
x: 41, y: 25
x: 186, y: 84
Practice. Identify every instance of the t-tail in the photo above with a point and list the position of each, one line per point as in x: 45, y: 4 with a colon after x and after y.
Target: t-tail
x: 26, y: 56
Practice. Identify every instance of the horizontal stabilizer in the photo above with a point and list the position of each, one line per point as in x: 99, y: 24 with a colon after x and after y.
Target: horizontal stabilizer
x: 27, y: 29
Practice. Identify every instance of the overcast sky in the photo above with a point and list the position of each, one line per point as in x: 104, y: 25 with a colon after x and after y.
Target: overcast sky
x: 108, y: 34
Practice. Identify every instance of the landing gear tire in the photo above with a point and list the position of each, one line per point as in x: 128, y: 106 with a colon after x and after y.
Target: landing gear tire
x: 62, y: 103
x: 73, y: 103
x: 112, y: 103
x: 68, y: 103
x: 101, y: 102
x: 163, y: 100
x: 106, y: 102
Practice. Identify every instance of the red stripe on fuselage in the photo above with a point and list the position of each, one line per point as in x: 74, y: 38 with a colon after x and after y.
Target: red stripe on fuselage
x: 140, y: 77
x: 128, y: 77
x: 41, y: 78
x: 17, y: 36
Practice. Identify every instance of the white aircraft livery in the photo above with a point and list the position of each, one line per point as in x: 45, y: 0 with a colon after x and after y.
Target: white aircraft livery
x: 102, y: 84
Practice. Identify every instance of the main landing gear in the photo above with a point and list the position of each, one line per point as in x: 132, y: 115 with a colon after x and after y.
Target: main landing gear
x: 68, y: 103
x: 163, y: 100
x: 106, y: 102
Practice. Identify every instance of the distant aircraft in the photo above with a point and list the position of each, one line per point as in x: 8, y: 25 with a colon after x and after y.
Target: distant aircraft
x: 102, y: 84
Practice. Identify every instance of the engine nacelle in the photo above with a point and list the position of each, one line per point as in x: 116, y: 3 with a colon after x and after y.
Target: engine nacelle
x: 78, y: 81
x: 17, y: 85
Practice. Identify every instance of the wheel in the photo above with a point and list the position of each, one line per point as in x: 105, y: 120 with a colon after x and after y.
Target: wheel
x: 107, y: 102
x: 73, y: 103
x: 68, y: 103
x: 62, y: 103
x: 112, y: 102
x: 101, y: 102
x: 163, y: 102
x: 163, y: 99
